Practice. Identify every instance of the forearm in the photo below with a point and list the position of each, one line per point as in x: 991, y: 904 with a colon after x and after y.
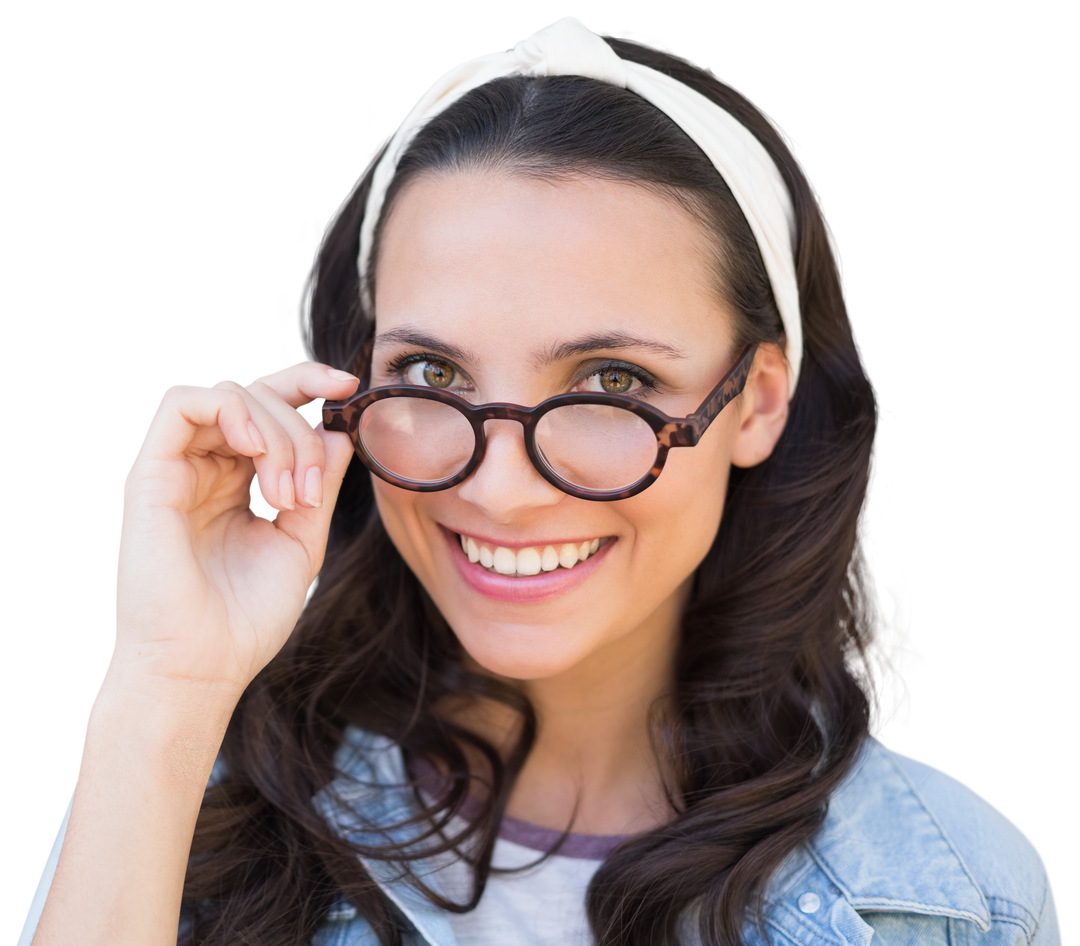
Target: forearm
x: 150, y: 746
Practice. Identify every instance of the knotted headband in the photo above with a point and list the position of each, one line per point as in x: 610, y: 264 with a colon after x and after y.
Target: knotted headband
x: 567, y: 48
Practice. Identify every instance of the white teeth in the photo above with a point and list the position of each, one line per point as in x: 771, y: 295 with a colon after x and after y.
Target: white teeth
x: 529, y: 561
x: 505, y: 561
x: 568, y: 556
x: 550, y: 561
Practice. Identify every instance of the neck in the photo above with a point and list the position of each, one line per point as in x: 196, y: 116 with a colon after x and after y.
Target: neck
x: 593, y: 762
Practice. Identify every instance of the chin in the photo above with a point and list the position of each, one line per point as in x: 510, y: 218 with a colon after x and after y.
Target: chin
x: 524, y: 651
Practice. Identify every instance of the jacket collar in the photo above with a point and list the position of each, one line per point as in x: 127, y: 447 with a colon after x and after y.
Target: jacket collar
x: 879, y: 848
x: 884, y: 849
x: 373, y: 790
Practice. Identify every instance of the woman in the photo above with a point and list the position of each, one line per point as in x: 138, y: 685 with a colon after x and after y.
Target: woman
x: 582, y: 658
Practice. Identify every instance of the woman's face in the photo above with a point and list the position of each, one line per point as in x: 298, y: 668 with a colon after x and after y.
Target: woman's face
x: 507, y: 288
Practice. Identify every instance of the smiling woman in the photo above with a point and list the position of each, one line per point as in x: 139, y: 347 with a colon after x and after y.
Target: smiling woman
x: 620, y: 264
x: 582, y: 660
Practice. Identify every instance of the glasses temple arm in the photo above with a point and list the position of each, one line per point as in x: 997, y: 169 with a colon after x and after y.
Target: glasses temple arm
x: 729, y: 387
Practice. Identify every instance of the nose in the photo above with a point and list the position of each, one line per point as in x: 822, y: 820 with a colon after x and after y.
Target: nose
x: 506, y: 485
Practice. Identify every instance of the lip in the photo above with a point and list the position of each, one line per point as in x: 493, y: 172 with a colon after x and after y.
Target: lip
x: 526, y: 589
x: 491, y: 543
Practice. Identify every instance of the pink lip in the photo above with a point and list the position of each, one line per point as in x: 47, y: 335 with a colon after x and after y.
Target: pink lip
x: 491, y: 543
x: 522, y: 590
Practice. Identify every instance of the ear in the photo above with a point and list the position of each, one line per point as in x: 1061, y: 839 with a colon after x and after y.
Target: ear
x: 763, y: 407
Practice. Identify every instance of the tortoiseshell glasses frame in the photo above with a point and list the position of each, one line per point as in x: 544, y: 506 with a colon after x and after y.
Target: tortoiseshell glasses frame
x: 344, y: 416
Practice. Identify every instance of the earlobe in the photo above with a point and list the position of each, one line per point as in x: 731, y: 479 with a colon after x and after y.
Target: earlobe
x: 763, y: 408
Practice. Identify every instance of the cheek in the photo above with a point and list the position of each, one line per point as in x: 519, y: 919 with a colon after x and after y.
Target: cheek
x: 688, y: 498
x: 401, y: 514
x: 399, y: 517
x: 392, y: 504
x: 702, y: 468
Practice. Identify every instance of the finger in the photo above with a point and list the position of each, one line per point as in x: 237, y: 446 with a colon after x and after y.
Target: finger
x: 189, y: 421
x: 310, y: 526
x: 292, y: 474
x: 280, y: 393
x: 308, y: 381
x: 309, y: 457
x: 339, y: 453
x: 292, y: 448
x: 206, y: 418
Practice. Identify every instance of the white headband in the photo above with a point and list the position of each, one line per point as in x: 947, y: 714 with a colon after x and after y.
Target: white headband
x: 567, y: 48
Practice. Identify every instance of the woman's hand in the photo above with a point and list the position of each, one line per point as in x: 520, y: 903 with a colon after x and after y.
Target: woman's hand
x: 208, y: 592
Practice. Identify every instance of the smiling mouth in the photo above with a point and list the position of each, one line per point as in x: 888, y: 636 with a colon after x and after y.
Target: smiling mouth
x: 529, y: 561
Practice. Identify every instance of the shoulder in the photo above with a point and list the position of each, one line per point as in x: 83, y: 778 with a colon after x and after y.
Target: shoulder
x: 913, y: 851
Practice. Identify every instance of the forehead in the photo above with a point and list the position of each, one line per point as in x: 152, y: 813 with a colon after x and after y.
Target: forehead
x: 507, y: 263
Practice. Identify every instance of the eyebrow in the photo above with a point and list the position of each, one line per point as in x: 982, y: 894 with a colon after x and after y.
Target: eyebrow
x: 585, y: 345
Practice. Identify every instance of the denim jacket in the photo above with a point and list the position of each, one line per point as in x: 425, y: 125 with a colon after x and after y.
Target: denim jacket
x: 905, y: 856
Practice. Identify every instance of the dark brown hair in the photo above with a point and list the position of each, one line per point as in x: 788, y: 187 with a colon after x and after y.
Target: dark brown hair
x: 768, y: 710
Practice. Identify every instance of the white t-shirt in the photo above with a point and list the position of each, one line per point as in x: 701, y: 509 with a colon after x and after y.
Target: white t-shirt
x: 540, y: 906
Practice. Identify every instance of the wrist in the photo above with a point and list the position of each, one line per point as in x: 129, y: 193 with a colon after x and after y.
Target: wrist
x: 169, y: 729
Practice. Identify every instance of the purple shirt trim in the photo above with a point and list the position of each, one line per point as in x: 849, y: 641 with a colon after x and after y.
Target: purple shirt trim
x: 592, y: 847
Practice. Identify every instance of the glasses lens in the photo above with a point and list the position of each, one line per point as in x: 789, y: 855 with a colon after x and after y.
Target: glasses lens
x: 416, y: 439
x: 592, y: 446
x: 595, y: 446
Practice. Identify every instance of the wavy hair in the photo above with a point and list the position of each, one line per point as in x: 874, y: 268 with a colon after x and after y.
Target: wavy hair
x: 768, y: 709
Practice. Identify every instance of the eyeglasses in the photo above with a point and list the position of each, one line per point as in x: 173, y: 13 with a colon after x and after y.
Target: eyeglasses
x: 593, y: 446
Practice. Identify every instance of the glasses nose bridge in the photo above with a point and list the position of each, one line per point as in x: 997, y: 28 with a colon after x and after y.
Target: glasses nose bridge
x: 514, y: 451
x: 505, y: 411
x: 522, y: 415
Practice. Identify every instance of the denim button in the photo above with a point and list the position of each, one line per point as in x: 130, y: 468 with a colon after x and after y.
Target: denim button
x: 809, y: 902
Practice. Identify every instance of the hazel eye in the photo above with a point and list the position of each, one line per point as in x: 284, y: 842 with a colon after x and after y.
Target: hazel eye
x: 613, y: 379
x: 616, y: 380
x: 433, y: 374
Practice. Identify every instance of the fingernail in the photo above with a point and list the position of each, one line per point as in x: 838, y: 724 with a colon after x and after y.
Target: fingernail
x: 338, y: 375
x: 313, y: 486
x: 286, y: 496
x: 256, y: 439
